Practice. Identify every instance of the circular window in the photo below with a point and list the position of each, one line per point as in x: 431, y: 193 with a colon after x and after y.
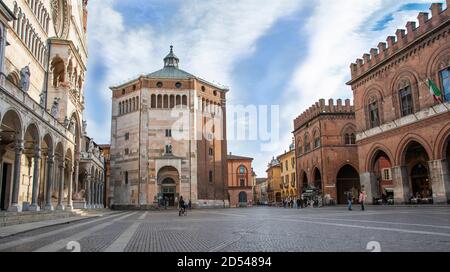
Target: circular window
x: 178, y: 85
x: 215, y: 93
x: 159, y: 84
x: 203, y: 89
x: 123, y: 91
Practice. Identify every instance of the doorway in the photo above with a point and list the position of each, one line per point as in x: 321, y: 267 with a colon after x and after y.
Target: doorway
x: 421, y: 184
x: 347, y: 183
x: 5, y: 177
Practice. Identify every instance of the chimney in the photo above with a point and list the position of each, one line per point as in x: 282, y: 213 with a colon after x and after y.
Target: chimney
x: 436, y: 9
x: 390, y: 41
x: 381, y: 47
x: 423, y: 18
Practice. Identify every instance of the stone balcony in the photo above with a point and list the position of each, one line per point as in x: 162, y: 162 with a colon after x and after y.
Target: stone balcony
x: 404, y: 121
x: 89, y: 156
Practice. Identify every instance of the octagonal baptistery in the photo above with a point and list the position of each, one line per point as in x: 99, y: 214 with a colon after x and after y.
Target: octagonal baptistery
x: 168, y: 140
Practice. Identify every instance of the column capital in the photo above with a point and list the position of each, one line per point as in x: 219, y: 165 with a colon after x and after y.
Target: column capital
x: 37, y: 152
x: 19, y: 145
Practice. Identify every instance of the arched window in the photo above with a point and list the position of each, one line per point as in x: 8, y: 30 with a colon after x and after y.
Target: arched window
x: 178, y: 100
x: 374, y: 113
x: 120, y: 108
x: 59, y: 71
x: 172, y: 101
x: 153, y: 101
x: 300, y: 148
x: 307, y: 144
x: 160, y: 102
x: 168, y: 150
x: 445, y: 82
x: 242, y: 170
x: 406, y: 101
x: 137, y: 103
x: 166, y: 102
x: 184, y: 100
x: 317, y: 142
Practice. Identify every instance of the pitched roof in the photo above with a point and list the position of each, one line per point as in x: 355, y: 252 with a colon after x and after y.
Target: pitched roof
x: 236, y: 158
x: 170, y: 72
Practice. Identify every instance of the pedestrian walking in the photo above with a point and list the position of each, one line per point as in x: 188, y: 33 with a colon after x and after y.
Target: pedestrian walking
x: 298, y: 203
x: 190, y: 205
x: 350, y: 201
x: 362, y: 199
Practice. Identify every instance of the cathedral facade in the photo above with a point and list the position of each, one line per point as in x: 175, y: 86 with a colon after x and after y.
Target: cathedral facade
x: 168, y: 140
x: 43, y: 142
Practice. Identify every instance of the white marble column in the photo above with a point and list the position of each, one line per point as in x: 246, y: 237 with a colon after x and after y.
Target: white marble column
x: 69, y: 206
x: 62, y: 167
x: 36, y: 174
x: 88, y: 192
x: 15, y: 207
x: 49, y: 189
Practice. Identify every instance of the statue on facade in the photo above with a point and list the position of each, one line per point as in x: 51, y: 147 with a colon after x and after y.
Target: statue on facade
x: 55, y: 107
x: 25, y: 75
x: 66, y: 122
x: 91, y: 146
x: 97, y: 152
x: 42, y: 99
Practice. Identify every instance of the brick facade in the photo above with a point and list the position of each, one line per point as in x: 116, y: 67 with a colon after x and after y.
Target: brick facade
x: 402, y: 128
x: 326, y: 153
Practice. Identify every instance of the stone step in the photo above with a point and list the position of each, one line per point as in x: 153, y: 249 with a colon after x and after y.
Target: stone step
x: 9, y: 219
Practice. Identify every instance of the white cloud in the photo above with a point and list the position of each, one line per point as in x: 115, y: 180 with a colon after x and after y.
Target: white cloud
x: 209, y: 37
x: 338, y: 32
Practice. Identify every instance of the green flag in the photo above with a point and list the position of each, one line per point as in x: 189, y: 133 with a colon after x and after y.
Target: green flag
x: 434, y: 90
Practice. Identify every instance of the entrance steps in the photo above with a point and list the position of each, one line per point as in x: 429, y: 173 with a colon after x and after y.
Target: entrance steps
x: 9, y: 218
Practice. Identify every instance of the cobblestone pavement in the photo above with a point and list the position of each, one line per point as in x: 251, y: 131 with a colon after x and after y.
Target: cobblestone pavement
x: 255, y: 230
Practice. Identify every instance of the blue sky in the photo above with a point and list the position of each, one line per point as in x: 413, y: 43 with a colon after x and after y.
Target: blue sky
x: 278, y: 52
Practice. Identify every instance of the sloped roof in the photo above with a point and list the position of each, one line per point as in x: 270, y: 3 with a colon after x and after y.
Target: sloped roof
x: 234, y: 157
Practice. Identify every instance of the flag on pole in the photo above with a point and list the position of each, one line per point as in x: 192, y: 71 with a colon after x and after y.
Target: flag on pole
x: 435, y: 91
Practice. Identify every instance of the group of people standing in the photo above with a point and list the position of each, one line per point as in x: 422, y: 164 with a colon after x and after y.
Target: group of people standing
x: 362, y: 200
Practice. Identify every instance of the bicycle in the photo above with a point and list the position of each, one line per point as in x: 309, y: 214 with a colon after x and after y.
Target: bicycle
x: 182, y: 211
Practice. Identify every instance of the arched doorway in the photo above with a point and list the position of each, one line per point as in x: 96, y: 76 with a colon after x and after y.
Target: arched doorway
x: 278, y: 198
x: 416, y: 160
x: 304, y: 181
x: 10, y: 136
x: 168, y: 181
x: 382, y: 168
x: 317, y: 179
x: 347, y: 183
x: 243, y: 198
